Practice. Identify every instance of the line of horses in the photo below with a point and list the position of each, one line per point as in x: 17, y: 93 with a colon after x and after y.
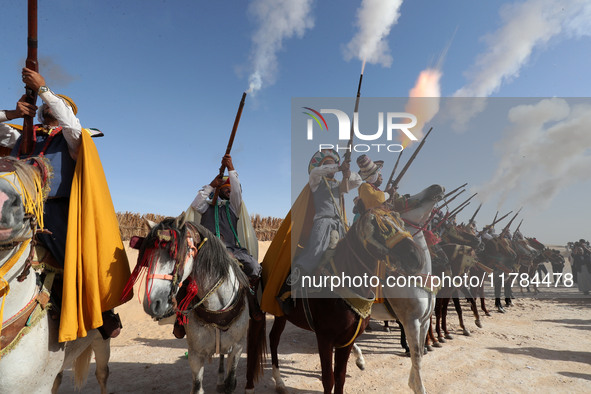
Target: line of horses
x: 176, y: 251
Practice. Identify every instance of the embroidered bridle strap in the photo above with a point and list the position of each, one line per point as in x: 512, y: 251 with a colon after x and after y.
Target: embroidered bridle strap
x: 4, y: 285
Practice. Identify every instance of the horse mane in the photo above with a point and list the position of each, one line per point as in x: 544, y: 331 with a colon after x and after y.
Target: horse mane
x: 213, y: 260
x: 34, y: 176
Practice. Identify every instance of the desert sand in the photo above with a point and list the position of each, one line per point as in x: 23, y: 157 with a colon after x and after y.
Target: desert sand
x: 540, y: 345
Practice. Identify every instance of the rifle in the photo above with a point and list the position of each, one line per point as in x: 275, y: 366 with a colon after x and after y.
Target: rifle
x: 451, y: 199
x: 517, y: 229
x: 506, y: 229
x: 393, y: 170
x: 474, y: 216
x: 454, y: 190
x: 495, y: 221
x: 26, y: 147
x: 230, y: 143
x: 347, y: 156
x: 399, y: 177
x: 458, y: 210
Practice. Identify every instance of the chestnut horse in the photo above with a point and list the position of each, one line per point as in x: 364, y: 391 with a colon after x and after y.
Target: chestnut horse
x: 377, y: 235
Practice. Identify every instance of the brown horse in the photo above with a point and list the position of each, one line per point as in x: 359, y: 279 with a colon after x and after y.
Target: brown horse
x: 376, y: 236
x: 499, y: 255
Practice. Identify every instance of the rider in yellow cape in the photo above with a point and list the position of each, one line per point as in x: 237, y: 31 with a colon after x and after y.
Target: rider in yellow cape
x: 96, y: 267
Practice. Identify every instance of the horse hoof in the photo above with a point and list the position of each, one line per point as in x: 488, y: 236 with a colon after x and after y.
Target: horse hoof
x: 425, y: 350
x: 407, y: 353
x: 429, y: 348
x: 437, y: 344
x: 487, y: 314
x: 387, y: 329
x: 441, y: 339
x: 500, y: 309
x: 448, y: 336
x: 478, y: 323
x: 466, y: 332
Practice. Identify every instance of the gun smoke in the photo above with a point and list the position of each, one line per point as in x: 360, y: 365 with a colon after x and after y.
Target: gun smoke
x: 375, y: 18
x: 278, y: 20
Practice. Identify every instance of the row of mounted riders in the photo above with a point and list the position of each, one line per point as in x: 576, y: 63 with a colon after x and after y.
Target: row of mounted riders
x: 459, y: 249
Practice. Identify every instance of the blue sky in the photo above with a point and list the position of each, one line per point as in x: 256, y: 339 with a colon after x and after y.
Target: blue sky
x: 163, y: 79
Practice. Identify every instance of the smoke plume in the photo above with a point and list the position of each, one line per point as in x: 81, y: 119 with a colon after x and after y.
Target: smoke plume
x: 527, y: 26
x: 375, y: 18
x: 277, y: 20
x: 546, y: 148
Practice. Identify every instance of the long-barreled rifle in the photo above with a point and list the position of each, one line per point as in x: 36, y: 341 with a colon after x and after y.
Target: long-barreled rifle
x: 475, y: 213
x: 415, y: 153
x: 451, y: 199
x: 454, y: 190
x: 230, y: 143
x: 26, y: 147
x: 347, y: 156
x: 495, y: 221
x: 506, y: 229
x: 389, y: 183
x: 519, y: 225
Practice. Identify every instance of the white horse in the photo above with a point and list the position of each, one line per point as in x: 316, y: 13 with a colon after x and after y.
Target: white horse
x: 215, y: 300
x: 412, y: 306
x: 33, y: 361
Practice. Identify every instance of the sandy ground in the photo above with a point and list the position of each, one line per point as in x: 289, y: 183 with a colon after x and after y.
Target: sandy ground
x: 540, y: 345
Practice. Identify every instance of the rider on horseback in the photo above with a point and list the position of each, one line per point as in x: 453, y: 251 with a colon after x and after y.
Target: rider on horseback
x: 222, y: 220
x: 329, y: 222
x: 58, y: 138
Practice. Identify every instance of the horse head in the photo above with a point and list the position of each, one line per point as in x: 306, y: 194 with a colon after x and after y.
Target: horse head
x: 417, y: 208
x: 176, y: 251
x: 379, y: 235
x: 499, y: 250
x: 24, y: 185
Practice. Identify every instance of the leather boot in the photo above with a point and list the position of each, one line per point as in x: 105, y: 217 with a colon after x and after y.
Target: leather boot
x: 253, y: 304
x: 499, y: 306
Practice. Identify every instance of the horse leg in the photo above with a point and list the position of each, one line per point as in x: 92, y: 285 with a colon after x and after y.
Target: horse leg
x: 341, y: 357
x: 57, y: 382
x: 431, y: 336
x: 438, y: 305
x: 256, y: 348
x: 359, y: 360
x: 415, y: 343
x: 497, y: 285
x: 474, y: 309
x: 102, y: 353
x: 221, y: 372
x: 444, y: 318
x: 196, y: 362
x: 458, y: 307
x: 403, y: 342
x: 274, y: 337
x: 386, y: 326
x: 325, y: 346
x: 233, y: 358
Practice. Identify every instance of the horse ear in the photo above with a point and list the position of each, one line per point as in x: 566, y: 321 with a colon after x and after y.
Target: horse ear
x: 180, y: 221
x: 149, y: 223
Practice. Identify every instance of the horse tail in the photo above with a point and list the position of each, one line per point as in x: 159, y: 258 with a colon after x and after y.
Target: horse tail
x: 81, y: 367
x: 256, y: 348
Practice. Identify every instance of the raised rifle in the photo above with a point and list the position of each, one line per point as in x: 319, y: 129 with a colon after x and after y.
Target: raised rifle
x: 474, y: 216
x: 399, y: 177
x: 230, y: 143
x: 393, y: 170
x: 454, y: 190
x: 26, y: 147
x: 451, y: 199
